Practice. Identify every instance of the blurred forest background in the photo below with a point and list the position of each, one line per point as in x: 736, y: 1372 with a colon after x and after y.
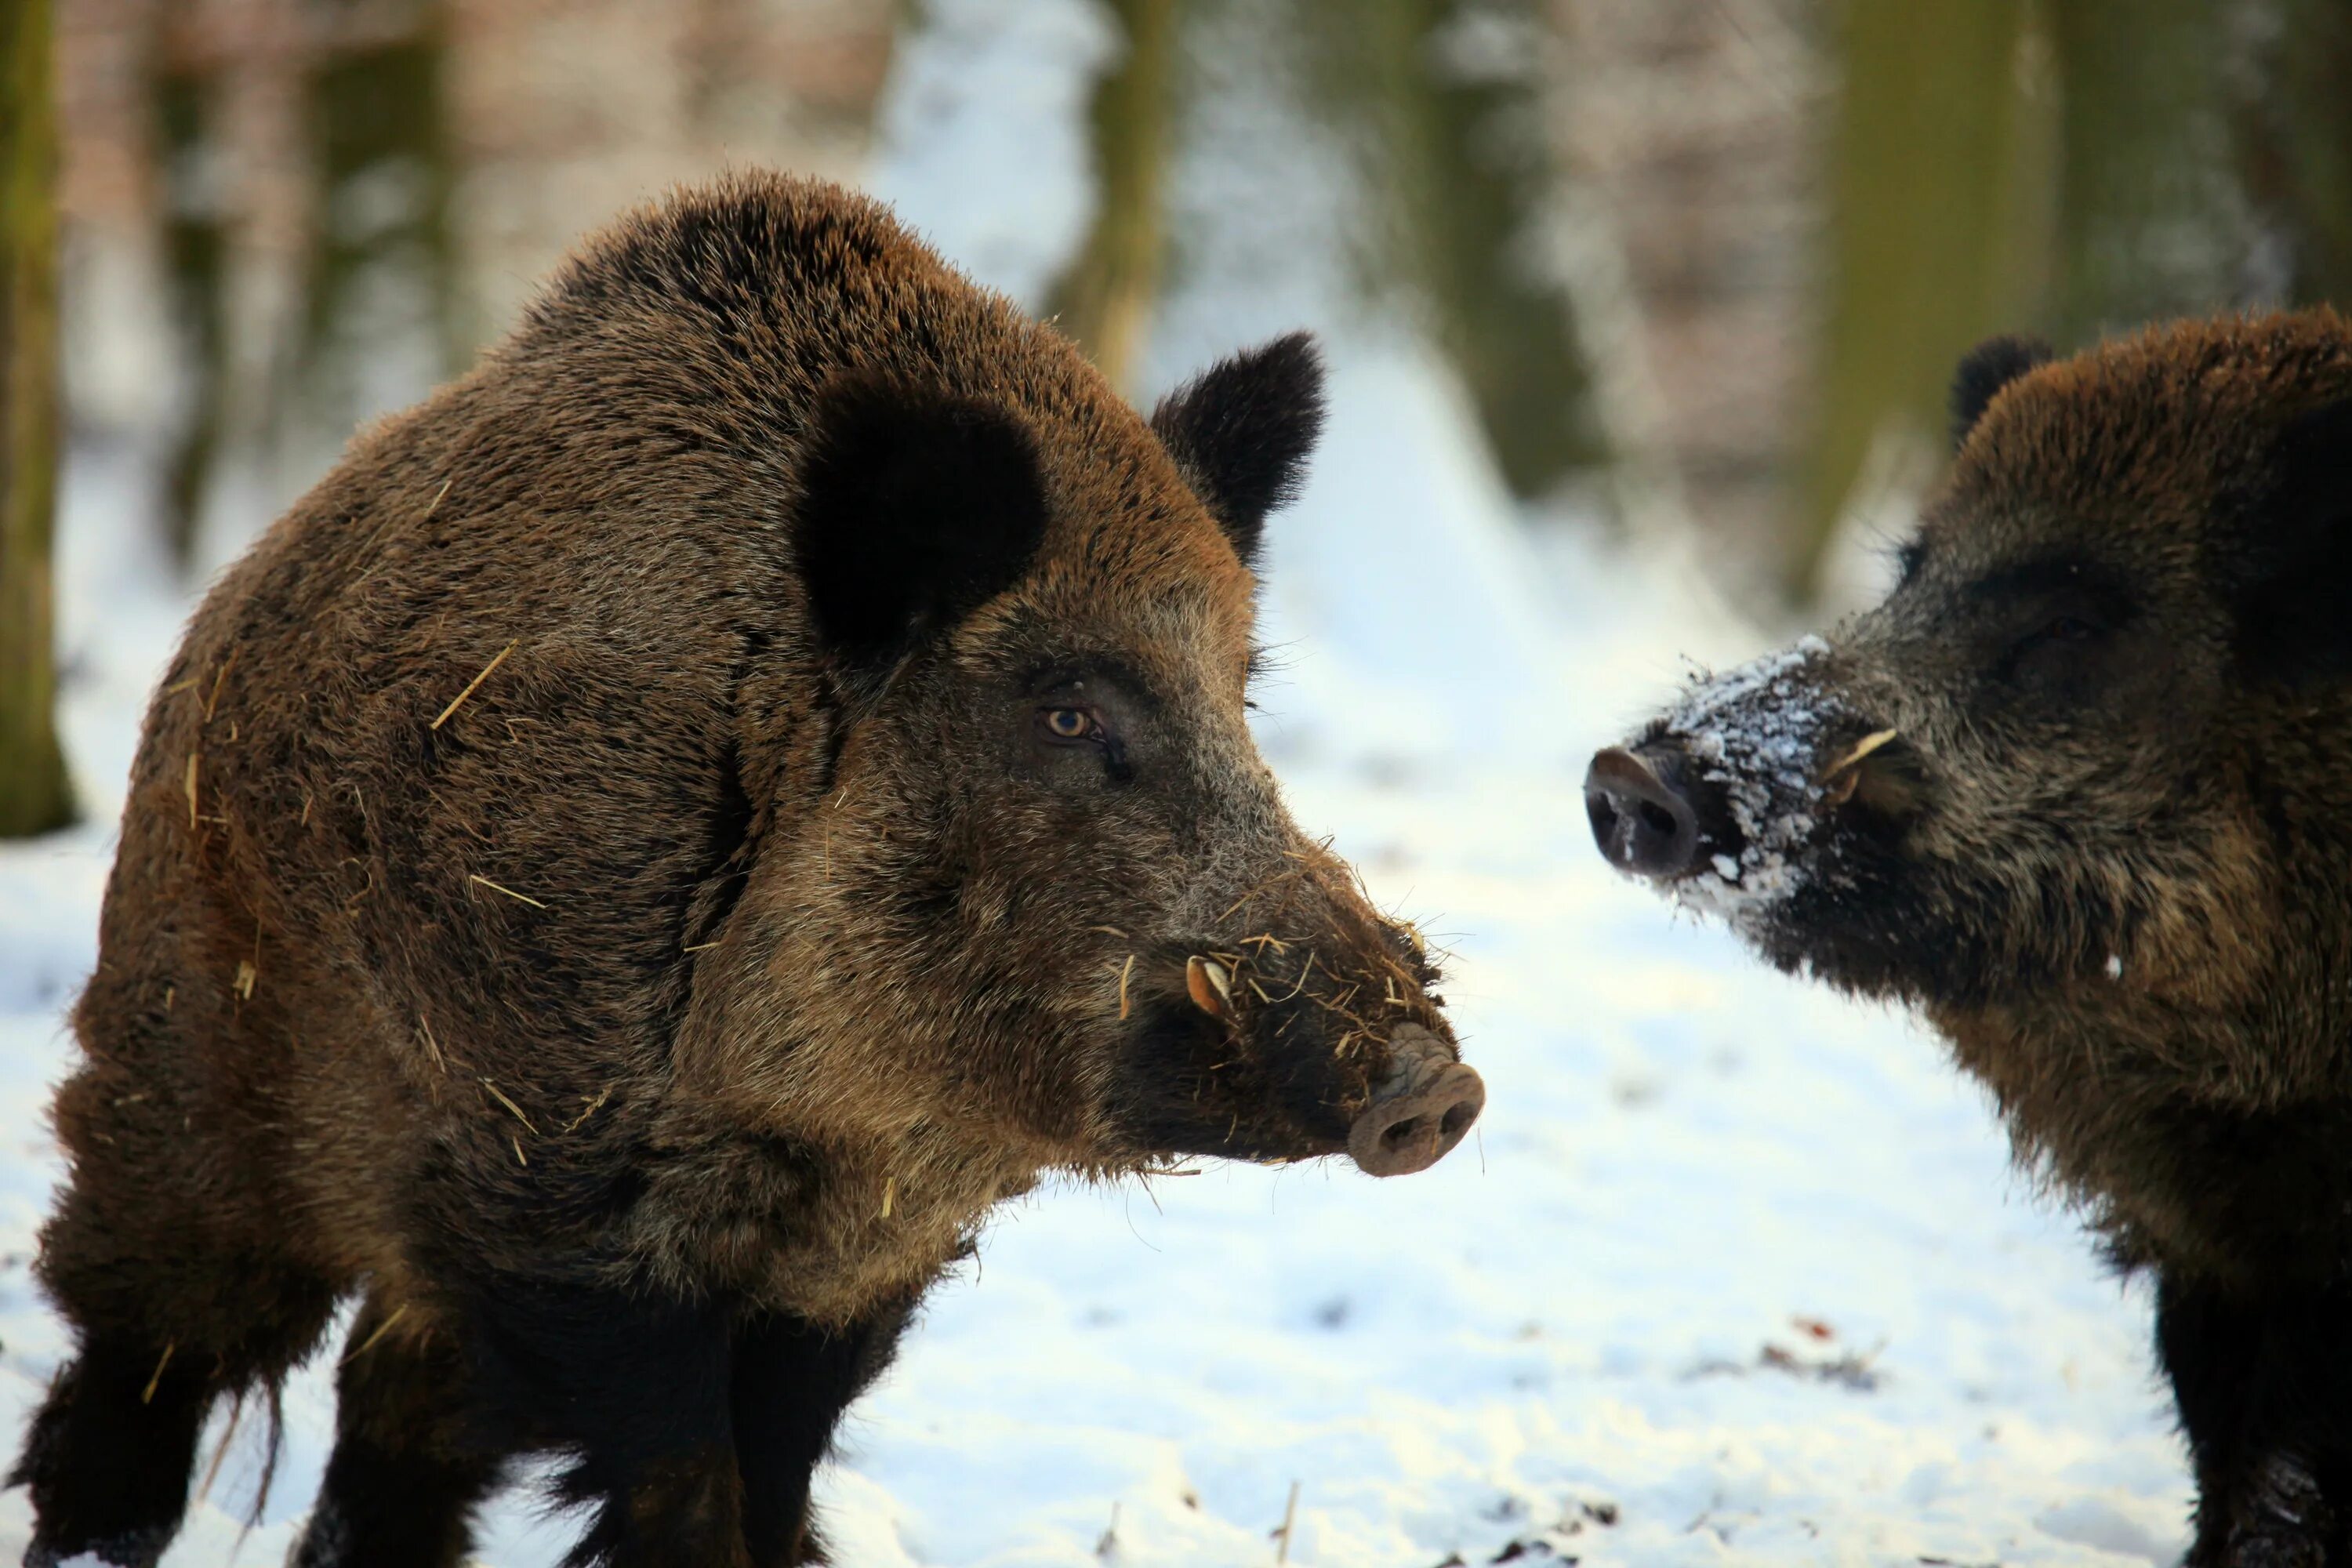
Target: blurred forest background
x: 1702, y: 266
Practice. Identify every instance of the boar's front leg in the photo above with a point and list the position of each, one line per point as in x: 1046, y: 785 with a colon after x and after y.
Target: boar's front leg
x: 792, y: 1380
x: 408, y: 1468
x: 632, y: 1385
x: 2265, y: 1391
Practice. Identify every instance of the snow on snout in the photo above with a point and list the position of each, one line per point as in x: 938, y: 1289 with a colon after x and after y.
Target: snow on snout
x: 1756, y: 731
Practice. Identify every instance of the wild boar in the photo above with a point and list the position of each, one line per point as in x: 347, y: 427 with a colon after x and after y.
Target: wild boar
x: 2081, y: 789
x: 628, y: 871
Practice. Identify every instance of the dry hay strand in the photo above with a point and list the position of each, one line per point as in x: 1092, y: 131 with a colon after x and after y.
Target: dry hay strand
x: 220, y: 676
x: 433, y: 505
x: 391, y: 1318
x: 890, y: 1194
x: 457, y: 701
x: 220, y: 1452
x: 192, y: 791
x: 1126, y: 971
x: 432, y: 1046
x: 1303, y: 971
x: 155, y: 1379
x: 509, y: 892
x: 592, y: 1108
x: 501, y: 1096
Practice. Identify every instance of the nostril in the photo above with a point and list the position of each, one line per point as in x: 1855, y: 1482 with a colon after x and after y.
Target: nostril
x: 1412, y: 1130
x: 1643, y: 820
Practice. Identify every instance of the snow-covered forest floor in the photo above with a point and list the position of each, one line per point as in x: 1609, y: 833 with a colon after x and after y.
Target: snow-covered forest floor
x: 1733, y: 1272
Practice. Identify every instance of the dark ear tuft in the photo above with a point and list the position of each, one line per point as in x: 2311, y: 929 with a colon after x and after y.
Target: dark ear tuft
x: 1984, y: 370
x: 915, y: 508
x: 2292, y: 623
x: 1241, y: 432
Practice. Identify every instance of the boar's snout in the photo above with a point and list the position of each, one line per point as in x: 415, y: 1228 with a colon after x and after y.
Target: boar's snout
x: 1650, y: 817
x: 1423, y: 1109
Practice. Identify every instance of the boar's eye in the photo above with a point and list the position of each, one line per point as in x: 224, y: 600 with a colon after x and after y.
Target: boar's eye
x: 2060, y: 657
x: 1070, y: 724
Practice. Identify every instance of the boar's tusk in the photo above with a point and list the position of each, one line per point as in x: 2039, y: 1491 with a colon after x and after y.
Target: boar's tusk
x: 1843, y: 777
x: 1205, y: 982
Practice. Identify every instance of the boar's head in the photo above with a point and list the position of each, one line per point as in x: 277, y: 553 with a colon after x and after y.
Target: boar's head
x: 1041, y: 883
x: 2084, y: 778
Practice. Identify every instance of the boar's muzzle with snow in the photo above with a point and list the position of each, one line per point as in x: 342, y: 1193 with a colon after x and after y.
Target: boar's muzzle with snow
x: 625, y: 874
x: 2081, y: 789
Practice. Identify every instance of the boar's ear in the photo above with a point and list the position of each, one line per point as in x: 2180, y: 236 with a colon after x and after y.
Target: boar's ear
x: 1984, y: 370
x: 2292, y: 618
x: 1241, y: 432
x: 915, y: 508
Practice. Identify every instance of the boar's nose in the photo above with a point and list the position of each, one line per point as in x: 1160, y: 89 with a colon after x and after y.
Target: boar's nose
x: 1421, y: 1112
x: 1643, y: 815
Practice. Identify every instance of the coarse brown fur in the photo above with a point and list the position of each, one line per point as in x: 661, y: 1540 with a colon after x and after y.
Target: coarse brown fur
x: 2108, y: 849
x: 597, y: 881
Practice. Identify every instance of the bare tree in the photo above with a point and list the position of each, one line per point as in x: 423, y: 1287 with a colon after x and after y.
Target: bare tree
x: 1933, y: 172
x: 34, y: 795
x: 1105, y: 299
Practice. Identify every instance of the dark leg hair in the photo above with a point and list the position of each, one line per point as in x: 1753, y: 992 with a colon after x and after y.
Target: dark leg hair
x: 791, y: 1383
x: 2296, y: 1502
x: 109, y: 1455
x: 633, y: 1387
x: 174, y: 1258
x: 2207, y: 1346
x: 406, y: 1475
x: 2265, y: 1386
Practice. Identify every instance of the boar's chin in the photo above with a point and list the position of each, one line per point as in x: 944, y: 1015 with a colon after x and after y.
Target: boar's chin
x: 1181, y: 1086
x: 1875, y: 937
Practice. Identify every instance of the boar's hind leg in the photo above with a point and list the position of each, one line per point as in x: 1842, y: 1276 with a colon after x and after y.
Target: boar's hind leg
x: 632, y: 1386
x: 2264, y: 1389
x: 790, y: 1382
x: 407, y: 1470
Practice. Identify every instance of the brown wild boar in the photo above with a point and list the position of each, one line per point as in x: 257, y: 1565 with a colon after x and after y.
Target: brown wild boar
x: 2081, y: 789
x: 665, y: 834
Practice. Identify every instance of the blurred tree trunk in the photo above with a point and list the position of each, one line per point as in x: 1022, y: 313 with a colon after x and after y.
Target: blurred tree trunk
x: 34, y: 795
x: 1105, y: 299
x: 381, y: 266
x: 2295, y: 141
x: 195, y: 248
x: 2150, y: 223
x: 1932, y: 235
x: 1444, y: 99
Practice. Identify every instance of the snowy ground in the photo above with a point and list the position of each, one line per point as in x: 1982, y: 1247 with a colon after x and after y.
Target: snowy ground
x: 1735, y: 1272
